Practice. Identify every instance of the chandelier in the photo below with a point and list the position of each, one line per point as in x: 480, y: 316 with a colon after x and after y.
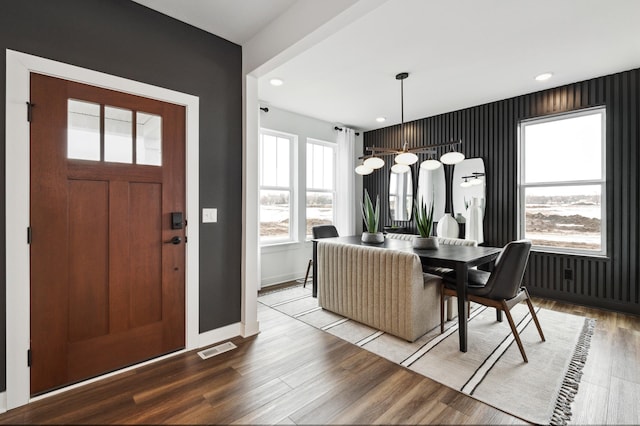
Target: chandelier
x: 405, y: 156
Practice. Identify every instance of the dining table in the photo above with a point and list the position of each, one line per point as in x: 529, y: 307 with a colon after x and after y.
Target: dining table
x: 458, y: 258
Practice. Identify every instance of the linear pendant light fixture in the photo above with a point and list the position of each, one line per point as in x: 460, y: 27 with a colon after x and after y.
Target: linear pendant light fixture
x: 405, y: 157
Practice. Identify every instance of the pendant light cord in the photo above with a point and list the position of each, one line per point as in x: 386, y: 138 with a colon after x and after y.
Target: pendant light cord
x: 402, y: 136
x: 403, y: 139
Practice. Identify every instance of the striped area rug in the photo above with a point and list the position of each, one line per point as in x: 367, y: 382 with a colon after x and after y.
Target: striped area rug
x: 492, y: 370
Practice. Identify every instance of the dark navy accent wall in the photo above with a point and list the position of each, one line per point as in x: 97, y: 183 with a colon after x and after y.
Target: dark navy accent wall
x: 490, y: 131
x: 125, y: 39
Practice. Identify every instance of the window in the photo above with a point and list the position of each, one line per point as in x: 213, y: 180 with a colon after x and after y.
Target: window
x: 276, y: 187
x: 321, y: 158
x: 105, y: 133
x: 562, y: 182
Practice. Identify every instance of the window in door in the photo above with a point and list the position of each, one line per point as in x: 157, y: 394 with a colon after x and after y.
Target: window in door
x: 320, y: 205
x: 276, y: 187
x: 562, y: 182
x: 106, y: 133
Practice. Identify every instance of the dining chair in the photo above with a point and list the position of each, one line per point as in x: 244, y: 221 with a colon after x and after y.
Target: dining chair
x: 501, y: 288
x: 319, y: 231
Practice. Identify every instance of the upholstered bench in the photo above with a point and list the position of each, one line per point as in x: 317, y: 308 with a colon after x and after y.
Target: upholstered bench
x: 380, y: 287
x: 439, y: 271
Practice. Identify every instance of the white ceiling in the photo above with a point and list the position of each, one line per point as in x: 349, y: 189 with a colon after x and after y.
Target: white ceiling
x: 233, y: 20
x: 458, y: 53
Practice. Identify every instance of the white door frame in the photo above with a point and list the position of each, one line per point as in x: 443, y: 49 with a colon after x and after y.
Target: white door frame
x: 19, y: 67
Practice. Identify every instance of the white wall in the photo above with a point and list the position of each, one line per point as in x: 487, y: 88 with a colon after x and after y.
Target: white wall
x: 286, y: 262
x: 284, y: 38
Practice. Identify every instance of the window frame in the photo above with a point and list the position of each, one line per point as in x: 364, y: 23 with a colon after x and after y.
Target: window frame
x: 291, y: 189
x: 333, y: 192
x: 602, y: 182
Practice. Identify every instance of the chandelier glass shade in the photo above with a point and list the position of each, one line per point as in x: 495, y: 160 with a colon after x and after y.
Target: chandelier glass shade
x: 363, y: 170
x: 430, y: 164
x: 400, y: 168
x: 407, y: 158
x: 374, y: 162
x: 452, y: 157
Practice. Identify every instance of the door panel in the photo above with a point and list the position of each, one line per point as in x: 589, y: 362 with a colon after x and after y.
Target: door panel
x: 139, y: 344
x: 106, y: 290
x: 145, y: 217
x: 88, y: 259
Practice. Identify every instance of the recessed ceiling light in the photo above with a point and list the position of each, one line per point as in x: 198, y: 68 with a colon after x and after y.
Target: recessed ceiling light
x: 544, y: 76
x: 276, y: 82
x: 381, y: 119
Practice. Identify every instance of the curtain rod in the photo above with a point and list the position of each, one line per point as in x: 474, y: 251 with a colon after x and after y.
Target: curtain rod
x: 340, y: 129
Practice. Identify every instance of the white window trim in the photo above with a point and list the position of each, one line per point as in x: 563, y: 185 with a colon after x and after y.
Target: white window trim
x: 583, y: 182
x: 292, y: 188
x: 333, y: 192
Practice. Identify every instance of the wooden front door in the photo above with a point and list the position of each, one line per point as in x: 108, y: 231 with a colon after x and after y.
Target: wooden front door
x: 107, y: 268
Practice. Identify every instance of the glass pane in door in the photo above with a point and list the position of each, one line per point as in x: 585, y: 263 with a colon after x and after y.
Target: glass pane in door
x: 118, y: 135
x: 148, y: 139
x: 83, y: 130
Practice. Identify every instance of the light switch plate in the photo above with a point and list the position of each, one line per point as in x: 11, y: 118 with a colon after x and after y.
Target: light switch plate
x: 209, y: 215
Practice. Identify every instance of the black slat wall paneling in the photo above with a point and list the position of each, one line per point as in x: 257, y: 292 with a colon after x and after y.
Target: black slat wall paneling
x: 490, y: 131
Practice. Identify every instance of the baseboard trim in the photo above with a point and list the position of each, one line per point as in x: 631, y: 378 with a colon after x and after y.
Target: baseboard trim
x: 592, y: 302
x: 250, y: 329
x: 219, y: 334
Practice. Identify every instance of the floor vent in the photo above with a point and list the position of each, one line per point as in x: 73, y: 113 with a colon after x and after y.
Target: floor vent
x: 217, y: 350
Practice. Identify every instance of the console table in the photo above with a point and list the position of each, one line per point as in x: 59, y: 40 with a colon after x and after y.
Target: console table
x: 459, y: 258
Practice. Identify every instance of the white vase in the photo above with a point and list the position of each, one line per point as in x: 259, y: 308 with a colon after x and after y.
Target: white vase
x: 474, y: 228
x: 372, y: 238
x: 425, y: 243
x: 448, y: 227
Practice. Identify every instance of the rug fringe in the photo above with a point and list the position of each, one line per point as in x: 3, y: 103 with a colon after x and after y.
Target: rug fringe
x: 569, y: 388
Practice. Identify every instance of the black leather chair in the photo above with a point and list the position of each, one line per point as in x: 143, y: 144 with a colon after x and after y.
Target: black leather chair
x: 501, y: 288
x: 319, y: 231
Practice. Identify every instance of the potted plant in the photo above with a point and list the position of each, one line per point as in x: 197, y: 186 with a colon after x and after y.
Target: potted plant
x: 371, y: 216
x: 424, y: 221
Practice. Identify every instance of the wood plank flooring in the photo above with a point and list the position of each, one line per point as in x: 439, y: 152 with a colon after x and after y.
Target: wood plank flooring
x: 292, y: 373
x: 610, y: 385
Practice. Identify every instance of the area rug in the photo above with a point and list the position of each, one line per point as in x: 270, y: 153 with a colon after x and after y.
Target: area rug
x: 492, y: 370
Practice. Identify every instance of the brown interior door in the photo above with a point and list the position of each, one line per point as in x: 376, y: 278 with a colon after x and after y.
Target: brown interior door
x: 107, y: 283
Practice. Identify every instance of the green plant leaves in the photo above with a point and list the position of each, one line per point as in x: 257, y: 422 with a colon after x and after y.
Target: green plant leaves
x: 424, y: 218
x: 371, y: 214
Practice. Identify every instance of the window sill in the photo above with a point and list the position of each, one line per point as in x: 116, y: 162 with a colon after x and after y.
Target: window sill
x: 283, y: 246
x: 542, y: 250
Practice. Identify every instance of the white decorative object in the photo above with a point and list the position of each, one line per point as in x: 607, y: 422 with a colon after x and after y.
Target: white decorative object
x: 474, y: 224
x: 448, y: 227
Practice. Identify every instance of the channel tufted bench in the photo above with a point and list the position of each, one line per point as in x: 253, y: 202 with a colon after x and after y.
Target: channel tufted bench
x: 451, y: 311
x: 380, y: 287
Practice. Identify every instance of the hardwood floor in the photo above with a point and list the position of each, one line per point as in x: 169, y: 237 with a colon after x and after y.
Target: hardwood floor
x: 292, y: 373
x: 610, y: 385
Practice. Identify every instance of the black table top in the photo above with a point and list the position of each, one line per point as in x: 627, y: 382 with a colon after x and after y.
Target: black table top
x: 445, y: 253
